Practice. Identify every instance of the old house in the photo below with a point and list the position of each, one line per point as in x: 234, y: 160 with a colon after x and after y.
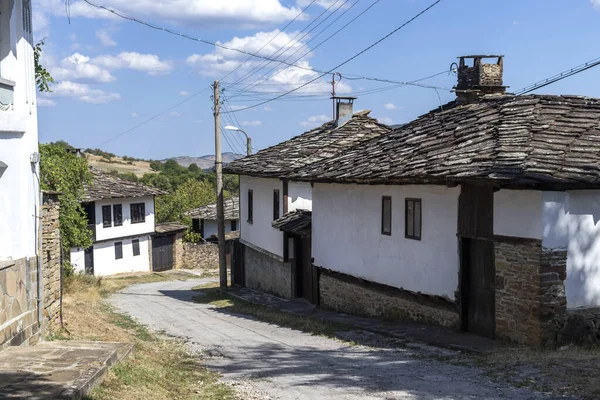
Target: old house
x: 121, y: 216
x: 275, y: 210
x: 204, y: 219
x: 480, y: 215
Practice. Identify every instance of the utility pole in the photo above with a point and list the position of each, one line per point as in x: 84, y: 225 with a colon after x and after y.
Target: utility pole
x: 219, y: 172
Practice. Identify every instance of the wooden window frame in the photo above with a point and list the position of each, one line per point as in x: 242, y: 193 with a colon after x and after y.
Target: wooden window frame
x: 118, y: 250
x: 234, y: 225
x: 117, y: 222
x: 383, y: 230
x: 107, y: 216
x: 141, y: 206
x: 135, y: 245
x: 250, y: 206
x: 414, y: 201
x: 276, y: 204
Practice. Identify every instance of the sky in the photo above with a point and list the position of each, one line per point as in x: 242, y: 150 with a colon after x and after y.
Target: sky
x: 119, y: 83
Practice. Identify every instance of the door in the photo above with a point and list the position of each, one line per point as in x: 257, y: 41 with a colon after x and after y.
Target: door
x: 162, y: 253
x: 306, y: 275
x: 237, y: 263
x: 89, y: 260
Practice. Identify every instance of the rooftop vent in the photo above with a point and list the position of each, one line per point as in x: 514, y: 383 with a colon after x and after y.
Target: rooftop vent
x: 477, y: 79
x: 343, y: 109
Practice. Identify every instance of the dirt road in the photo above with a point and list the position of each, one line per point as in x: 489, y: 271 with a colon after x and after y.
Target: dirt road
x: 268, y: 361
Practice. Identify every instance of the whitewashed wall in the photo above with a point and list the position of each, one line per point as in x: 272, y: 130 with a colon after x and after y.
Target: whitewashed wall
x: 127, y: 229
x: 210, y: 227
x: 518, y: 213
x: 347, y: 236
x: 19, y: 189
x: 260, y: 232
x: 105, y: 262
x: 299, y: 196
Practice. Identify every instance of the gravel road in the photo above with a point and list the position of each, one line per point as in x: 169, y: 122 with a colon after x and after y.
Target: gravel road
x: 265, y: 361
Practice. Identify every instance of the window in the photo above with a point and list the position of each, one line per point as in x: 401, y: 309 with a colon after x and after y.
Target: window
x: 135, y: 243
x: 233, y: 225
x: 386, y: 215
x: 118, y: 250
x: 117, y: 215
x: 275, y: 204
x: 106, y: 217
x: 413, y: 219
x: 196, y: 225
x: 250, y: 205
x: 138, y: 213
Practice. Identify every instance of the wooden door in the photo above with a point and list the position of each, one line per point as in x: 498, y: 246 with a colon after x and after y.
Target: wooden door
x: 237, y: 263
x: 89, y: 260
x: 162, y: 253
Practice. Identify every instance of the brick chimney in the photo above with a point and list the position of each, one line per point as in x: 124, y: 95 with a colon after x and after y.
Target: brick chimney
x: 477, y: 79
x: 343, y: 109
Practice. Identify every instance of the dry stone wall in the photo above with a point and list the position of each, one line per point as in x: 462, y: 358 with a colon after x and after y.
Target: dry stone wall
x: 200, y: 256
x: 51, y: 263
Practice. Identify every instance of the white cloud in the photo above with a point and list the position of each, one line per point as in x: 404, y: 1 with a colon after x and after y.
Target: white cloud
x: 134, y: 114
x: 175, y: 114
x: 44, y: 102
x: 149, y: 63
x: 104, y: 37
x: 83, y: 92
x: 596, y: 4
x: 184, y: 93
x: 390, y: 106
x: 315, y: 120
x: 268, y: 108
x: 252, y: 123
x: 385, y: 120
x: 77, y: 68
x: 322, y: 3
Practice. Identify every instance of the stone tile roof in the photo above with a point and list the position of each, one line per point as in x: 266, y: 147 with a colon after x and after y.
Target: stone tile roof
x: 310, y: 147
x: 513, y: 140
x: 106, y: 186
x: 298, y: 222
x: 167, y: 227
x: 231, y: 208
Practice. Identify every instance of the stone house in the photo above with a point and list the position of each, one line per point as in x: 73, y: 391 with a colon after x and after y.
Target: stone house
x: 481, y: 215
x: 204, y: 219
x: 275, y: 210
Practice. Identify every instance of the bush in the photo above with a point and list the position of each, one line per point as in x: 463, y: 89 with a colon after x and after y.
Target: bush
x: 192, y: 237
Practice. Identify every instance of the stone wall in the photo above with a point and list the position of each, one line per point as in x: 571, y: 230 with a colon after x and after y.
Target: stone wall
x: 200, y: 256
x: 553, y: 300
x: 18, y: 303
x: 347, y: 294
x: 178, y: 251
x: 267, y: 273
x: 580, y: 326
x: 51, y: 263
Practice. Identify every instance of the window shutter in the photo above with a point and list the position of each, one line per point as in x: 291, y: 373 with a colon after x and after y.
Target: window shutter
x: 135, y: 243
x: 250, y: 205
x: 275, y: 204
x: 106, y: 217
x: 118, y: 250
x: 386, y: 215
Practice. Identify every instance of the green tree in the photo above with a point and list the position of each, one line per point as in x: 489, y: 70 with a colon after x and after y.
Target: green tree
x: 43, y: 79
x: 194, y: 168
x: 191, y: 194
x: 66, y: 173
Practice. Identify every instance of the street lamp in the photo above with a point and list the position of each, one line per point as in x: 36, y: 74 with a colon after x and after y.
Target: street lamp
x: 248, y: 139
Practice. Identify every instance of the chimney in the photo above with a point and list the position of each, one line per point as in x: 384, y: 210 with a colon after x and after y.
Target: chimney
x: 343, y: 109
x: 477, y: 79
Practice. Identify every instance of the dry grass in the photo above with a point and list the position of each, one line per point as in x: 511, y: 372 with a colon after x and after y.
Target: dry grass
x: 139, y: 168
x: 159, y: 369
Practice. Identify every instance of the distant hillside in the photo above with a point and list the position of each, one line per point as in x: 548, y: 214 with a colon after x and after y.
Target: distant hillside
x: 204, y: 162
x: 119, y: 164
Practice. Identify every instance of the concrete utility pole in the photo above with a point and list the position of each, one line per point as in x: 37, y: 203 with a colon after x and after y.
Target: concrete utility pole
x: 219, y: 172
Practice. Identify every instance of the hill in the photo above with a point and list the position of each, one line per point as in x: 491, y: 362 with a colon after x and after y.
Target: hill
x: 204, y: 162
x: 116, y: 163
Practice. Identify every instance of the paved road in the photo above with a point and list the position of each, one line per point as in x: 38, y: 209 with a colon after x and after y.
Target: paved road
x: 268, y: 361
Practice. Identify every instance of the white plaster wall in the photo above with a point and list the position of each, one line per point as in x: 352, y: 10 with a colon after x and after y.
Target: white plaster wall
x: 127, y: 229
x: 518, y: 213
x: 260, y: 232
x: 299, y: 196
x: 556, y: 219
x: 105, y: 262
x: 19, y: 189
x: 210, y: 227
x: 347, y: 236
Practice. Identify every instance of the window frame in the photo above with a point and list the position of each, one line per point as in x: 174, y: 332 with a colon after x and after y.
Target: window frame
x: 406, y: 233
x: 135, y: 245
x: 142, y: 206
x: 383, y: 230
x: 107, y: 216
x: 276, y: 204
x: 234, y: 225
x: 118, y: 250
x: 250, y: 206
x: 114, y: 216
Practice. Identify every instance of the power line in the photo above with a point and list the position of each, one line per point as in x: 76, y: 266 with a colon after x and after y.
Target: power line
x: 350, y: 59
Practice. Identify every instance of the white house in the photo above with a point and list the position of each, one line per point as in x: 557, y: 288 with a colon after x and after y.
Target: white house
x: 121, y: 215
x: 276, y: 243
x: 480, y: 215
x: 204, y: 219
x: 20, y: 214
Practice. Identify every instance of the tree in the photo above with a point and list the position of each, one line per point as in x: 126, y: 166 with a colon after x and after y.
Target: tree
x: 66, y: 173
x: 189, y: 195
x: 194, y: 168
x: 43, y: 79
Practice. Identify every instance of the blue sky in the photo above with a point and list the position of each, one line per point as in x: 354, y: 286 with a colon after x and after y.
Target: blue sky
x: 114, y: 74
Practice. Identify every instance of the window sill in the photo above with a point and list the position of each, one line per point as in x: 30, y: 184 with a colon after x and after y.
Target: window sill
x: 138, y: 222
x: 7, y: 82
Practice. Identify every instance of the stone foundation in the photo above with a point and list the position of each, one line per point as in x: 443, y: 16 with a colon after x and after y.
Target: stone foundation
x: 580, y: 326
x: 18, y: 303
x: 343, y: 293
x: 52, y: 264
x: 200, y: 256
x: 266, y: 273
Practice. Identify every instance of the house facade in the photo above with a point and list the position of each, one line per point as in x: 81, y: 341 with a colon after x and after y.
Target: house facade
x: 122, y: 219
x: 204, y: 219
x: 276, y: 244
x: 20, y: 202
x: 480, y: 215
